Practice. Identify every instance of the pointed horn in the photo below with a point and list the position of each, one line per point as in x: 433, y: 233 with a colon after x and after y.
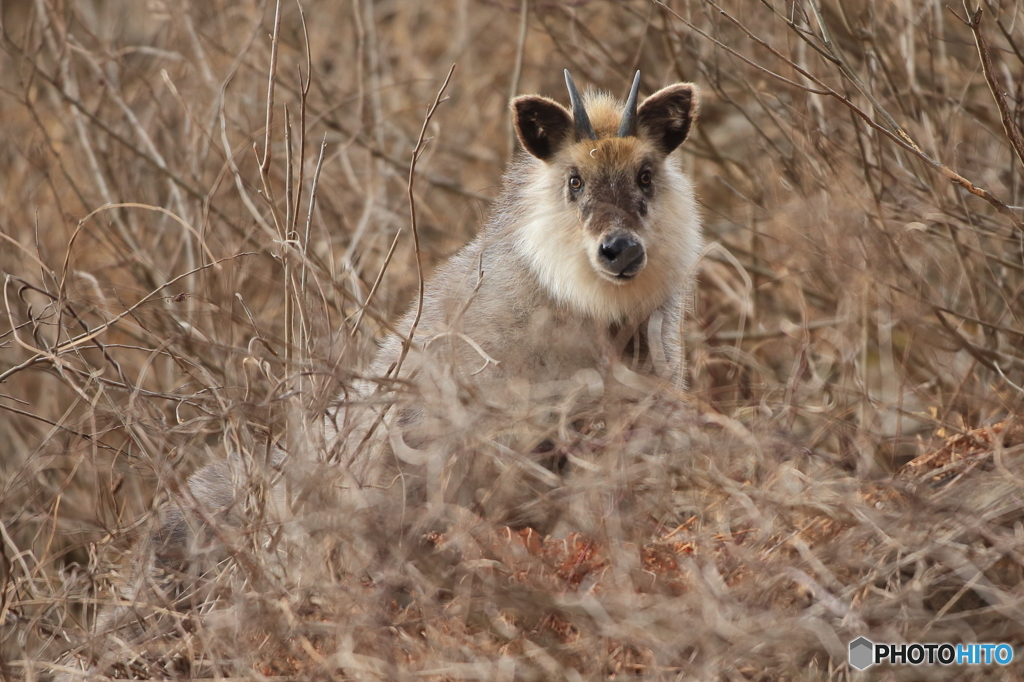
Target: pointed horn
x: 584, y: 130
x: 627, y: 128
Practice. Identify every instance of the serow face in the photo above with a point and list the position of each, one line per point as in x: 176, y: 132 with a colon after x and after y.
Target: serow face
x: 611, y: 193
x: 610, y: 160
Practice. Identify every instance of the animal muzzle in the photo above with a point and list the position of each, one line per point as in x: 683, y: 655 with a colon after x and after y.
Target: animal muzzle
x: 621, y: 255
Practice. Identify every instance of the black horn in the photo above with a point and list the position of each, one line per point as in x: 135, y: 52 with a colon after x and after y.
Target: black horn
x: 584, y: 130
x: 627, y: 127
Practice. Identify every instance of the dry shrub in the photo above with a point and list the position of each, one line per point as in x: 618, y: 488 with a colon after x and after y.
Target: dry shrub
x: 846, y: 462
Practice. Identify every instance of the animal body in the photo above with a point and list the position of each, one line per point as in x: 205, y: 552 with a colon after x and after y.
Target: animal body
x: 587, y: 258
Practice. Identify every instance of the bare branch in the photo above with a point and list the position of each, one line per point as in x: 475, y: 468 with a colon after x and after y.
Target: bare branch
x: 417, y: 150
x: 1009, y: 125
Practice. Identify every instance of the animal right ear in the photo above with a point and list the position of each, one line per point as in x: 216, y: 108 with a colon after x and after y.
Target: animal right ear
x: 668, y: 115
x: 542, y: 125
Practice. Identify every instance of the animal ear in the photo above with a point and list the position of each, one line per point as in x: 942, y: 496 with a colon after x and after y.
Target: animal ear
x: 667, y: 115
x: 542, y: 125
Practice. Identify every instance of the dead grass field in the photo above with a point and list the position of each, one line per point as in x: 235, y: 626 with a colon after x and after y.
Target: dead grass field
x: 850, y: 458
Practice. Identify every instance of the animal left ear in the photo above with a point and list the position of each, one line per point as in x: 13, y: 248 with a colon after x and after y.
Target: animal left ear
x: 667, y: 115
x: 542, y: 125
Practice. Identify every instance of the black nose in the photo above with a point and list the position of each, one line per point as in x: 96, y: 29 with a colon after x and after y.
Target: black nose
x: 621, y: 254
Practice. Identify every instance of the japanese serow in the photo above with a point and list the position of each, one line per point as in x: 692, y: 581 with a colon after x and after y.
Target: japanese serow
x: 588, y: 255
x: 586, y: 263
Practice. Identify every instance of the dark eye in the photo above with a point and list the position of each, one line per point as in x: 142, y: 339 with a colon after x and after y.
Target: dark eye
x: 575, y: 182
x: 645, y: 178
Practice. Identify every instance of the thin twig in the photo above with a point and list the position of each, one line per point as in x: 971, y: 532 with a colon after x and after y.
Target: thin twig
x: 358, y: 319
x: 517, y: 71
x: 56, y: 425
x: 304, y: 85
x: 271, y: 78
x: 1009, y: 125
x: 312, y: 205
x: 420, y: 143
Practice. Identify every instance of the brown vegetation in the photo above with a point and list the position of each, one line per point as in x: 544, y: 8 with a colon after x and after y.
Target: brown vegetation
x: 847, y: 461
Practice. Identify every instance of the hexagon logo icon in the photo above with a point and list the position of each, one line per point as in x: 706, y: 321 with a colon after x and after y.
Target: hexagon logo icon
x: 862, y: 652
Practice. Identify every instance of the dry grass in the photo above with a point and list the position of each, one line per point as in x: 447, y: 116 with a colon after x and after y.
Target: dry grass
x: 171, y: 295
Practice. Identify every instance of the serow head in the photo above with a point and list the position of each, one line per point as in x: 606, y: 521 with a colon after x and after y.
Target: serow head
x: 608, y: 162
